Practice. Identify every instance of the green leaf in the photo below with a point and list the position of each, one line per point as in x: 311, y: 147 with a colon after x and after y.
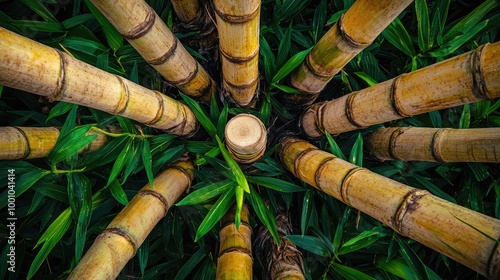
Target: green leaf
x: 120, y: 161
x: 275, y: 184
x: 350, y: 273
x: 364, y: 239
x: 365, y: 77
x: 193, y: 261
x: 239, y: 195
x: 264, y: 215
x: 60, y: 109
x: 222, y: 121
x: 265, y: 109
x: 310, y: 243
x: 235, y: 168
x: 143, y: 255
x: 340, y: 229
x: 307, y: 205
x: 356, y: 156
x: 465, y: 117
x: 84, y: 214
x: 291, y: 64
x: 214, y: 109
x: 457, y: 42
x: 397, y: 35
x: 70, y: 144
x: 284, y: 47
x: 424, y: 40
x: 319, y: 20
x: 436, y: 119
x: 267, y: 58
x: 38, y: 7
x: 215, y: 214
x: 412, y: 260
x: 286, y: 89
x: 147, y: 161
x: 427, y: 184
x: 24, y: 182
x: 334, y: 148
x: 200, y: 114
x: 204, y: 194
x: 118, y: 193
x: 49, y: 239
x: 114, y: 38
x: 397, y: 267
x: 472, y: 19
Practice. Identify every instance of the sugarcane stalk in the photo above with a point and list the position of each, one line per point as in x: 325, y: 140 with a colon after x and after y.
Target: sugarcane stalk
x: 463, y: 79
x: 280, y: 262
x: 150, y: 36
x: 186, y: 10
x: 235, y: 251
x: 119, y: 242
x: 356, y: 29
x: 435, y: 144
x: 36, y: 68
x: 238, y: 27
x: 464, y: 235
x: 18, y: 142
x: 246, y: 138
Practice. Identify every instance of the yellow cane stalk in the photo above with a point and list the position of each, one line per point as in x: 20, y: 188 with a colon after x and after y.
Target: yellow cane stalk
x: 354, y: 31
x: 455, y: 231
x: 36, y: 142
x: 235, y: 251
x: 238, y: 27
x: 150, y: 36
x: 435, y: 144
x: 463, y: 79
x: 187, y: 10
x: 118, y: 243
x: 36, y: 68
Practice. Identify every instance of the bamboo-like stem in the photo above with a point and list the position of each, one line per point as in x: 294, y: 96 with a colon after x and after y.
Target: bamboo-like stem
x: 280, y: 262
x: 463, y: 79
x: 36, y: 68
x: 355, y: 30
x: 187, y: 10
x: 235, y: 252
x: 118, y: 243
x: 238, y: 27
x: 36, y: 142
x: 150, y: 36
x: 435, y: 144
x: 455, y: 231
x: 246, y: 138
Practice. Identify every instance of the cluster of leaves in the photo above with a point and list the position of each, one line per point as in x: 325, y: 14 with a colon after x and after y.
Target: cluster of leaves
x: 66, y: 200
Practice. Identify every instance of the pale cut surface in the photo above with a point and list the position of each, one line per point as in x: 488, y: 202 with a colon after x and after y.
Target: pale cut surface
x: 243, y: 131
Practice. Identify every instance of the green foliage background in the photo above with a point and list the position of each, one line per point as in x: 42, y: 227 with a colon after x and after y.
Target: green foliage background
x: 66, y: 200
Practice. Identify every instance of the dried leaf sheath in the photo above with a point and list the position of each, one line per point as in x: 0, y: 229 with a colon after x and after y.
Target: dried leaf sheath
x: 434, y: 144
x: 280, y: 262
x: 355, y: 30
x: 460, y: 233
x: 235, y: 251
x: 33, y: 67
x: 35, y: 142
x: 466, y: 78
x: 150, y: 36
x: 116, y: 245
x: 238, y: 27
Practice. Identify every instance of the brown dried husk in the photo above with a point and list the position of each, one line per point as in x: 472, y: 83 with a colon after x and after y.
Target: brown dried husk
x: 36, y: 142
x: 464, y: 235
x: 36, y: 68
x: 238, y: 28
x: 435, y: 144
x: 280, y: 262
x: 116, y: 245
x: 235, y: 252
x: 355, y: 30
x: 150, y: 36
x: 463, y: 79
